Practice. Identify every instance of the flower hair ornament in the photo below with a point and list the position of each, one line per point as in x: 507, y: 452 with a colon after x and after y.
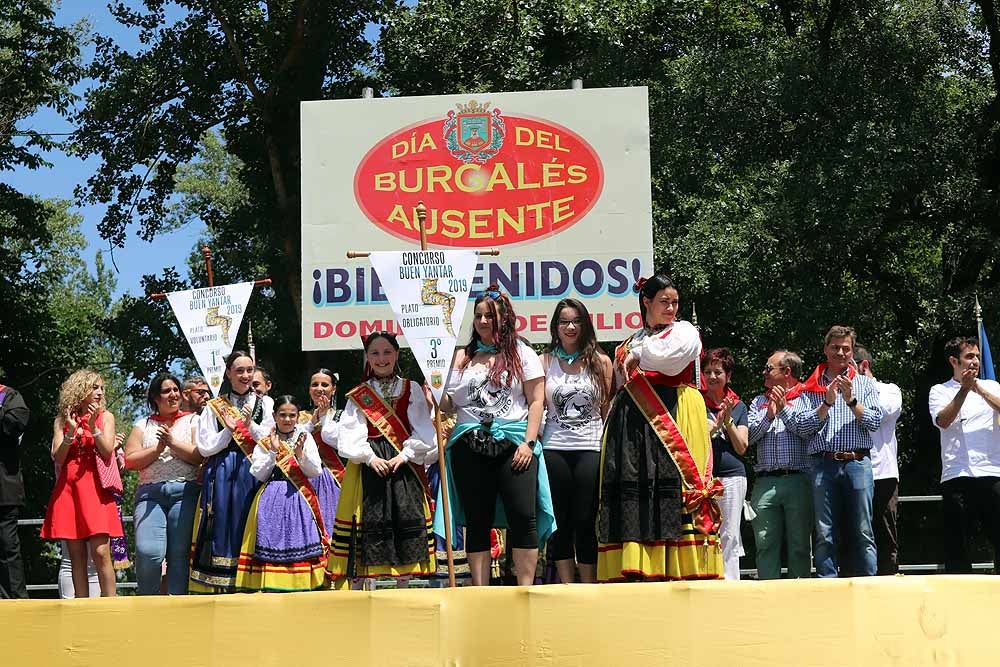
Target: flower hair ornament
x: 639, y: 284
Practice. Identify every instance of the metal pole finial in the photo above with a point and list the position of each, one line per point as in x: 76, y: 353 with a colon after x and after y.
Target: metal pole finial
x: 979, y: 309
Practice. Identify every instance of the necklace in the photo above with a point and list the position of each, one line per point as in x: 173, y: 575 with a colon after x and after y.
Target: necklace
x: 386, y: 387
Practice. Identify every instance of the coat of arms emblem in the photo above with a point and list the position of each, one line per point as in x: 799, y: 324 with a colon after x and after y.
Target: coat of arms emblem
x: 474, y: 134
x: 437, y: 380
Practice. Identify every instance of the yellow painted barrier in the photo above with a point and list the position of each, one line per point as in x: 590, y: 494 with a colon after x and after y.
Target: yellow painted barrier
x: 906, y: 621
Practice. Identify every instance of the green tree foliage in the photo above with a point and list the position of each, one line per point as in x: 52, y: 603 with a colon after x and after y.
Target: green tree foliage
x: 813, y: 163
x: 242, y: 67
x: 58, y: 312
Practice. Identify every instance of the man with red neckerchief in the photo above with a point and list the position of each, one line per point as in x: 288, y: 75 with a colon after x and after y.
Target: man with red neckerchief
x: 782, y: 493
x: 840, y: 411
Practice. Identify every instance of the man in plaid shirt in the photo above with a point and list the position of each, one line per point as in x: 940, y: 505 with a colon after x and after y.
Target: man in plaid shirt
x: 782, y: 492
x: 840, y: 411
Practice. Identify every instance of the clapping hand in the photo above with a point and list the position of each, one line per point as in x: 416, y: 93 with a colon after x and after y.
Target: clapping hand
x: 230, y: 421
x: 164, y: 437
x: 322, y: 405
x: 71, y: 421
x: 969, y: 379
x: 845, y: 387
x: 775, y: 401
x: 92, y: 410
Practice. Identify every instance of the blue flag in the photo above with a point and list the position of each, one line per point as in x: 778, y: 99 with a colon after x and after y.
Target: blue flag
x: 986, y: 371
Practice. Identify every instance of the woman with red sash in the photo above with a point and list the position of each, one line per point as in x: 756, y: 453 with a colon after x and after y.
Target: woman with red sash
x: 384, y: 524
x: 727, y: 424
x: 228, y: 430
x: 658, y: 517
x: 324, y: 425
x: 81, y: 511
x: 287, y: 538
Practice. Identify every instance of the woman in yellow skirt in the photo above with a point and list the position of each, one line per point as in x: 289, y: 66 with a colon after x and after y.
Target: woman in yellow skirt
x: 658, y: 517
x: 384, y: 525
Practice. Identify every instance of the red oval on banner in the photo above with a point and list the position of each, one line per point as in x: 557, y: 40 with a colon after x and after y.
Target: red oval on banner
x: 486, y: 179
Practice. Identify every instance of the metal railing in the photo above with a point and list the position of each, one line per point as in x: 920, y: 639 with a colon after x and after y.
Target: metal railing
x: 416, y: 583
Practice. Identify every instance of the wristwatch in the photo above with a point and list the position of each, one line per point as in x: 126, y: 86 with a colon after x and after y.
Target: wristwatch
x: 852, y: 403
x: 530, y: 443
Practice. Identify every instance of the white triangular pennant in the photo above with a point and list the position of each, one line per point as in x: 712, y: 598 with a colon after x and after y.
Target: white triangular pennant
x: 428, y: 291
x: 210, y: 318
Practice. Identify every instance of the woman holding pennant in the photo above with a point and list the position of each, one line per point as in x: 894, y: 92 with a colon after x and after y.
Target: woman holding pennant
x: 286, y: 542
x: 228, y: 430
x: 494, y: 455
x: 383, y: 526
x: 658, y: 517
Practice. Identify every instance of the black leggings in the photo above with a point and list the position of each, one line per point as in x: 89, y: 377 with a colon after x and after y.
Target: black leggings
x: 478, y: 480
x: 573, y: 478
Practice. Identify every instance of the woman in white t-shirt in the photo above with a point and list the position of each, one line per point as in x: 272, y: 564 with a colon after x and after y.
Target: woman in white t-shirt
x: 162, y: 448
x: 577, y: 386
x: 497, y: 389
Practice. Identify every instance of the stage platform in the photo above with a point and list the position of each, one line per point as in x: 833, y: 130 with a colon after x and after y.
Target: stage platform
x: 906, y: 621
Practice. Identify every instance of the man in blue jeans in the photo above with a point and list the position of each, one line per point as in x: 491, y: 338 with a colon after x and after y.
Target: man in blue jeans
x: 840, y: 410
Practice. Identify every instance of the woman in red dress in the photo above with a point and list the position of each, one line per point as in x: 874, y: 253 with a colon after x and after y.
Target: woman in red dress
x: 81, y: 511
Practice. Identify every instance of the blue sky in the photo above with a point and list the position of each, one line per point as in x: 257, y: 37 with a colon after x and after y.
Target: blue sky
x: 138, y: 256
x: 67, y: 171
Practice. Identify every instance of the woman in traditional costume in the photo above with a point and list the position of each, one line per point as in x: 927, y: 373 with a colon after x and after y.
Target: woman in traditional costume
x: 323, y: 422
x: 228, y: 431
x: 383, y: 526
x: 496, y: 473
x: 727, y: 425
x: 287, y: 538
x: 81, y: 510
x: 162, y: 448
x: 577, y: 386
x: 658, y: 518
x: 324, y: 425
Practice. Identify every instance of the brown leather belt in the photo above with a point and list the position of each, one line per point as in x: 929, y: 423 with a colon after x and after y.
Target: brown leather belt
x: 856, y: 455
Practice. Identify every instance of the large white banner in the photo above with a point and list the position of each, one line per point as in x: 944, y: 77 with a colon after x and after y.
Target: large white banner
x: 210, y: 318
x: 558, y: 181
x: 428, y: 292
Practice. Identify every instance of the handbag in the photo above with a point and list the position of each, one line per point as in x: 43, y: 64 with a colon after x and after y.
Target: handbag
x: 107, y: 472
x: 483, y: 442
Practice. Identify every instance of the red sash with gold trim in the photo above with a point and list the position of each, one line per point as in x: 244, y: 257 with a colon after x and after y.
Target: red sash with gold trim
x: 331, y: 461
x: 285, y: 459
x: 383, y: 417
x: 701, y: 492
x: 244, y: 439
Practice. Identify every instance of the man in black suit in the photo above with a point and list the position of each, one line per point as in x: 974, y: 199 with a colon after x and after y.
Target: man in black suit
x: 13, y: 421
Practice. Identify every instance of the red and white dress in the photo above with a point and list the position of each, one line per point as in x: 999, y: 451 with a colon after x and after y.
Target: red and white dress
x: 80, y: 507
